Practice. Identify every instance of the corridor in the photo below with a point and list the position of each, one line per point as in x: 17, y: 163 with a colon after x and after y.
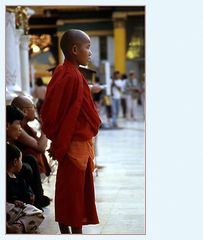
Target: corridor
x: 119, y: 183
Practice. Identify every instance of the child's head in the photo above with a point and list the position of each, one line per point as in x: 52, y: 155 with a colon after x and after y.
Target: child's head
x: 13, y: 158
x: 13, y: 118
x: 75, y: 45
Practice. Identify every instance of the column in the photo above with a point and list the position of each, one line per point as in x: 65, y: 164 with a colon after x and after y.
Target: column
x: 19, y: 33
x: 107, y: 76
x: 12, y: 61
x: 110, y: 50
x: 120, y: 41
x: 24, y: 60
x: 95, y: 49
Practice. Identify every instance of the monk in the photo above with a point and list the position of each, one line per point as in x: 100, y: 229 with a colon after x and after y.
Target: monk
x: 70, y: 121
x: 28, y: 142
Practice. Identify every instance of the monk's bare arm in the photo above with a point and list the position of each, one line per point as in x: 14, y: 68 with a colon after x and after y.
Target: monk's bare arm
x: 39, y: 144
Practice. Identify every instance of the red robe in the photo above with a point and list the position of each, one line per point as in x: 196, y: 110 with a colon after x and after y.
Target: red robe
x: 69, y: 114
x: 40, y: 157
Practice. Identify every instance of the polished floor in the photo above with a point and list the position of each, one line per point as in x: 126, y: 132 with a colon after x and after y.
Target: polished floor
x: 119, y: 183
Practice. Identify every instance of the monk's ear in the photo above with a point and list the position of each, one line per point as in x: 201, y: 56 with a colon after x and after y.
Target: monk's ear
x: 24, y: 110
x: 74, y: 50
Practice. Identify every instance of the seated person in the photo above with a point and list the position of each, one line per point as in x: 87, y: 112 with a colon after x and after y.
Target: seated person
x: 18, y: 193
x: 17, y: 188
x: 28, y: 142
x: 30, y: 170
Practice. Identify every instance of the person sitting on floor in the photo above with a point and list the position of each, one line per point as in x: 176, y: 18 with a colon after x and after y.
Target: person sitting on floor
x: 20, y: 196
x: 28, y: 142
x: 30, y: 169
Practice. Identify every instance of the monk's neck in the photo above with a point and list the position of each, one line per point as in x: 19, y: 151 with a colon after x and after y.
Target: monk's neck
x: 72, y: 61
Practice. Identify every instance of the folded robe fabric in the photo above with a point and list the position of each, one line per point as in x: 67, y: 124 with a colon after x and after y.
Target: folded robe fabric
x: 80, y: 153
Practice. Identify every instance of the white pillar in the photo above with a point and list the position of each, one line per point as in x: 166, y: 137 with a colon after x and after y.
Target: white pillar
x: 32, y: 74
x: 12, y: 61
x: 95, y: 49
x: 19, y: 33
x: 24, y: 60
x: 110, y: 50
x: 107, y: 76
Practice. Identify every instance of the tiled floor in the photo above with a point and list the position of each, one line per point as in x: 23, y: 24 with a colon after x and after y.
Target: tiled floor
x: 119, y: 186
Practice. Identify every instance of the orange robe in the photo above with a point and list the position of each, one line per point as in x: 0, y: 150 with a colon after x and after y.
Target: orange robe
x: 70, y: 120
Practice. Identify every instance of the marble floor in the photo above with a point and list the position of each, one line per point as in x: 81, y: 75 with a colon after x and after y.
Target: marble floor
x: 119, y: 183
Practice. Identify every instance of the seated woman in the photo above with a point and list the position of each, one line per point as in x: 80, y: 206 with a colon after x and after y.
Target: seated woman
x: 20, y: 197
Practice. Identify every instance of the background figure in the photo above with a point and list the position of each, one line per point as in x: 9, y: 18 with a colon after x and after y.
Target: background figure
x: 142, y: 93
x: 106, y: 101
x: 133, y: 91
x: 123, y: 96
x: 39, y: 93
x: 97, y: 97
x: 116, y: 93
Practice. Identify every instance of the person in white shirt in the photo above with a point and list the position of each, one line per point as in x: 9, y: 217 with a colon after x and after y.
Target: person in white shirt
x: 116, y: 93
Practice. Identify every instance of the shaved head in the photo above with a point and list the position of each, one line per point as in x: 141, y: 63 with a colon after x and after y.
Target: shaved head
x: 21, y: 102
x: 70, y: 38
